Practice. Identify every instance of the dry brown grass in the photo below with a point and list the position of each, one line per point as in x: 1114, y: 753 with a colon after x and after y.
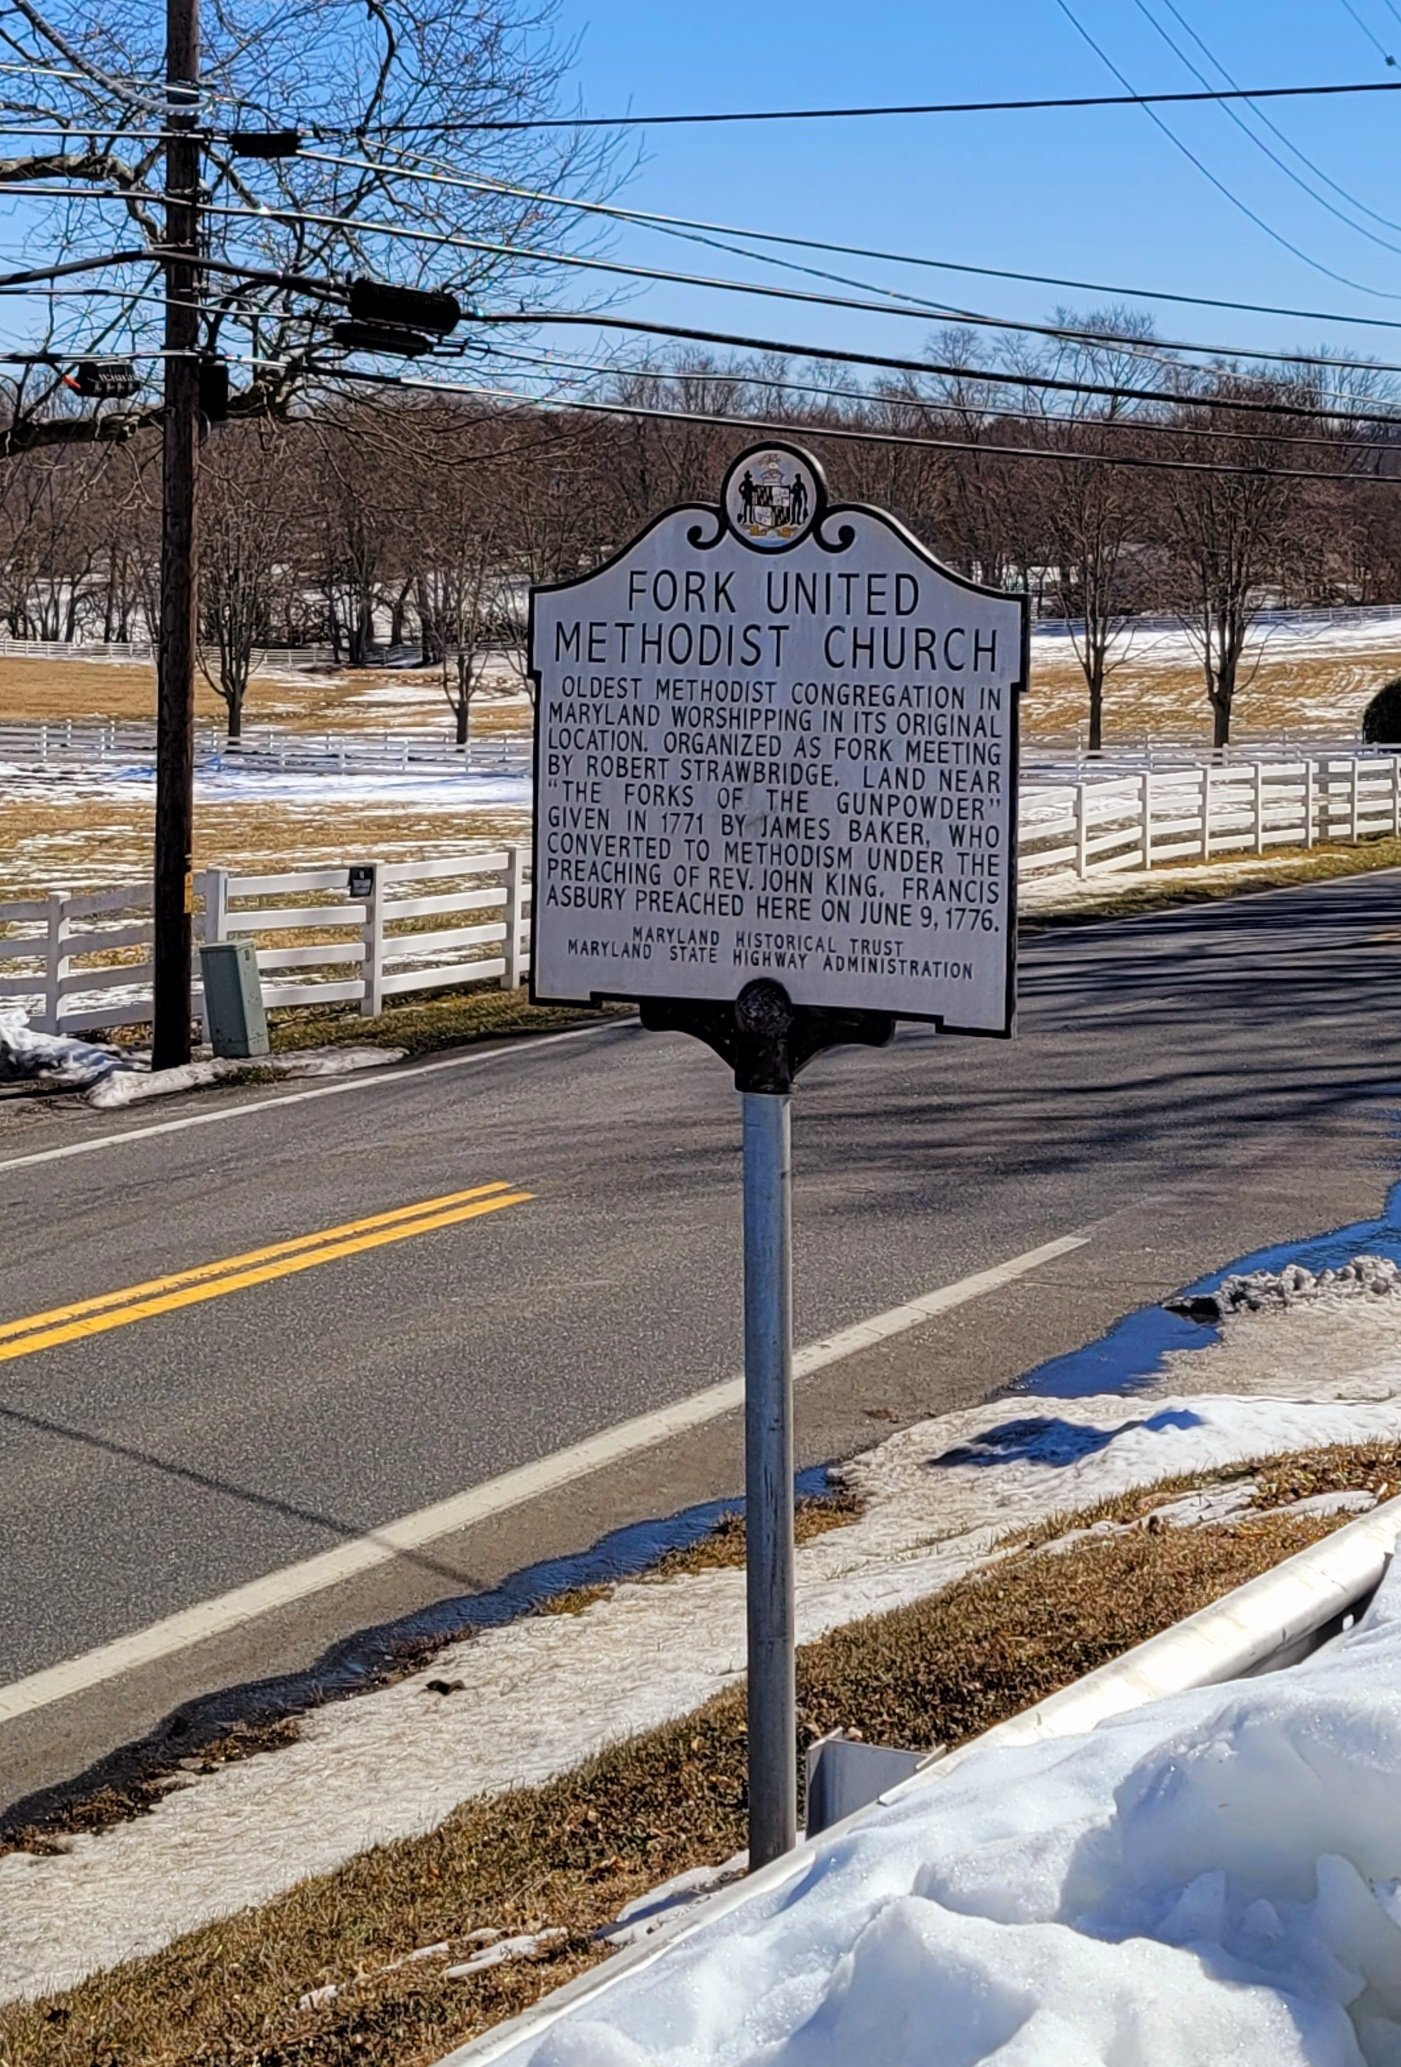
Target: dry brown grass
x: 309, y: 699
x: 721, y: 1547
x: 1297, y: 693
x: 571, y: 1853
x: 49, y: 842
x: 452, y: 1021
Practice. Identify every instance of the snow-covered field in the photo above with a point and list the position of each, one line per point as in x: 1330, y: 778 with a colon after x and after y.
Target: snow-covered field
x: 939, y: 1495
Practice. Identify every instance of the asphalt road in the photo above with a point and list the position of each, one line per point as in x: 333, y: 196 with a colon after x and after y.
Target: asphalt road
x: 1184, y: 1089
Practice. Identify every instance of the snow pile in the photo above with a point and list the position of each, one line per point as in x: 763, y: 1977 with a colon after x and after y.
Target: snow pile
x: 54, y: 1061
x: 1211, y: 1878
x: 135, y: 1088
x: 1369, y: 1276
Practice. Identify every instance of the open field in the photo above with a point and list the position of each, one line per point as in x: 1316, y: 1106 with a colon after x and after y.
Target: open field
x: 59, y: 832
x: 310, y: 699
x: 66, y: 828
x: 1312, y: 682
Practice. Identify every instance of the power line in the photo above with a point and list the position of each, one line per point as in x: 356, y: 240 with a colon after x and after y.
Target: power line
x: 647, y: 217
x: 907, y: 306
x: 1149, y: 348
x: 1277, y: 236
x: 749, y: 423
x: 1247, y: 132
x: 446, y: 240
x: 1371, y: 36
x: 1181, y: 399
x: 1049, y: 418
x: 848, y: 114
x: 1354, y: 200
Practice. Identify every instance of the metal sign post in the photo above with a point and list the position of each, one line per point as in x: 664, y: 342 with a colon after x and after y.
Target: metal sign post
x: 775, y: 806
x: 768, y: 1472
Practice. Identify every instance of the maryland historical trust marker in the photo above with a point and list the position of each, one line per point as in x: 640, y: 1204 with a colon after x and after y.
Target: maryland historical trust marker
x: 777, y: 739
x: 776, y: 804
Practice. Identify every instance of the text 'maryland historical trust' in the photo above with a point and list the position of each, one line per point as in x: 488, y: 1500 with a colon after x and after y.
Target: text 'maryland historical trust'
x: 778, y: 739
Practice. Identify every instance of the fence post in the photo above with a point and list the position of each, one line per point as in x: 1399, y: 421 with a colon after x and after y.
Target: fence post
x: 1145, y: 828
x: 212, y: 889
x: 1081, y: 832
x: 515, y: 917
x: 1257, y: 804
x: 372, y: 933
x: 1396, y: 796
x: 1206, y: 810
x: 1352, y: 800
x: 56, y: 958
x: 1310, y: 801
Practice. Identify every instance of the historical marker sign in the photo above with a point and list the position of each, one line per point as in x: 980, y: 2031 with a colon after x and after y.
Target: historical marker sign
x: 778, y: 739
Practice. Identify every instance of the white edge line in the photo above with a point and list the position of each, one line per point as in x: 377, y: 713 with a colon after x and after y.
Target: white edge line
x: 374, y: 1079
x: 227, y: 1611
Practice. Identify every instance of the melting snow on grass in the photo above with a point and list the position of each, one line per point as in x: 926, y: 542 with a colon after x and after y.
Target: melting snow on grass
x: 395, y: 1762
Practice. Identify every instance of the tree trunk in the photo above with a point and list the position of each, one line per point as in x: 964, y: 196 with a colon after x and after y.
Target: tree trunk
x: 1097, y: 705
x: 462, y: 713
x: 235, y: 704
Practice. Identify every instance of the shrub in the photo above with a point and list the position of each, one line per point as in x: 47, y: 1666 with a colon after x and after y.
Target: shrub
x: 1381, y: 721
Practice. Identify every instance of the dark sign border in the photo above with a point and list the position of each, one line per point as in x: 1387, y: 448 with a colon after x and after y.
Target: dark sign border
x: 702, y: 537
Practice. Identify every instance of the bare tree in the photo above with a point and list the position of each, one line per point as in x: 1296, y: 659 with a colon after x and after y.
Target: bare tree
x: 246, y: 527
x: 391, y: 84
x: 1093, y: 512
x: 1231, y: 534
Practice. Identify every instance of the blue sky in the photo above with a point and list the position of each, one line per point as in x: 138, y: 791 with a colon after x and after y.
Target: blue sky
x: 1098, y: 195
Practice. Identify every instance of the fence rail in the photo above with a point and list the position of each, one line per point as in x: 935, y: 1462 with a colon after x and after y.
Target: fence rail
x: 72, y: 742
x: 143, y: 650
x: 1138, y: 821
x: 82, y: 961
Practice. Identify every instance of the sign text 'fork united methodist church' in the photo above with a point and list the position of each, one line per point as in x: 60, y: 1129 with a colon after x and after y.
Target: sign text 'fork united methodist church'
x: 778, y: 739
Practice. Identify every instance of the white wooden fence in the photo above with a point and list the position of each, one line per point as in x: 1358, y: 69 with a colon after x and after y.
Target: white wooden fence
x: 79, y: 962
x: 33, y: 743
x: 1139, y: 821
x: 142, y: 650
x: 82, y: 961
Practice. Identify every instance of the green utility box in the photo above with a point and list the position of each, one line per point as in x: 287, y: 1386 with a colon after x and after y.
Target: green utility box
x: 233, y: 998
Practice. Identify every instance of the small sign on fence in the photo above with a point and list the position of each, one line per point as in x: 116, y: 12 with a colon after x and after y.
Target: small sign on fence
x: 362, y: 880
x: 776, y: 804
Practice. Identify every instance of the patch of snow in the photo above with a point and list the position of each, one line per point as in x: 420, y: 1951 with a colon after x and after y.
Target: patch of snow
x: 523, y: 1947
x: 330, y: 1062
x: 132, y: 1089
x: 663, y: 1903
x: 1369, y: 1276
x: 314, y: 1997
x: 1359, y: 1501
x: 1208, y: 1878
x: 135, y: 1086
x: 54, y: 1061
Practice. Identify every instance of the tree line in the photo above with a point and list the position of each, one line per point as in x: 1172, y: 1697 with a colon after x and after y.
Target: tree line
x: 388, y: 516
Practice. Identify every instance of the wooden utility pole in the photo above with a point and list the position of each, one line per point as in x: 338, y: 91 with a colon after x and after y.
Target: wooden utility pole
x: 175, y: 700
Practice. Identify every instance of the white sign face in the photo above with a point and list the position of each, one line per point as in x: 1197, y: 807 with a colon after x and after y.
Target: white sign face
x: 777, y: 739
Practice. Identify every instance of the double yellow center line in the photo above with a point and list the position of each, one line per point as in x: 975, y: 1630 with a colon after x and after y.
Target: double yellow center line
x: 255, y: 1267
